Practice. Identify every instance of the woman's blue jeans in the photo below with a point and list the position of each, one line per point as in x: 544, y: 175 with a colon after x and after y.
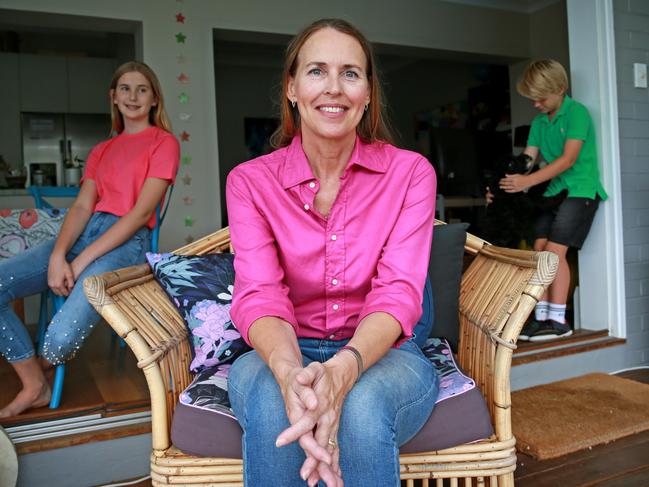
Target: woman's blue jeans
x: 26, y: 274
x: 387, y: 407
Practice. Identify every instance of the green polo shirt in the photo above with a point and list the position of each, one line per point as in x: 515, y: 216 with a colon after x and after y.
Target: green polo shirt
x: 572, y: 121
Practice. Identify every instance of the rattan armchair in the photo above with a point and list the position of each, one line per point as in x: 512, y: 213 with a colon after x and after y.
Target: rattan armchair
x: 499, y: 290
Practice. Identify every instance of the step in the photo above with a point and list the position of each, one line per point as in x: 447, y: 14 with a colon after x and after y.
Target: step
x: 580, y: 341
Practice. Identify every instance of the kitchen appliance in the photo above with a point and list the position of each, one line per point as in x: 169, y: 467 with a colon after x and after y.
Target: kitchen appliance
x: 52, y: 142
x: 72, y: 176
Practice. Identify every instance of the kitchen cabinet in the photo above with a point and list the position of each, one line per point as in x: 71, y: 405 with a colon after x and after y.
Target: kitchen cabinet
x: 88, y: 83
x: 10, y: 113
x: 43, y: 83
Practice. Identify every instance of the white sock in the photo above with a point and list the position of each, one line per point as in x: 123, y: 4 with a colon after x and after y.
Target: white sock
x: 557, y: 312
x: 541, y: 311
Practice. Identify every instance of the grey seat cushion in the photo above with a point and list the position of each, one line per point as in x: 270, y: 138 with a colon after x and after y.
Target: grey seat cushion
x: 204, y: 425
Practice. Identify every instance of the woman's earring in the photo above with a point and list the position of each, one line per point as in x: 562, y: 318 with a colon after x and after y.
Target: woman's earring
x: 293, y: 103
x: 367, y: 106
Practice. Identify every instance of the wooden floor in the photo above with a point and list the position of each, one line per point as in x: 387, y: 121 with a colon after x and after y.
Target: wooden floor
x: 103, y: 379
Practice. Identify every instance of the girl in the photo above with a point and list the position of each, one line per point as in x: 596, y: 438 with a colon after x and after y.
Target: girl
x: 108, y: 227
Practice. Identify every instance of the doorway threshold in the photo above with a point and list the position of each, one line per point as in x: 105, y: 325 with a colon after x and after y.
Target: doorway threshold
x: 580, y: 341
x: 60, y: 433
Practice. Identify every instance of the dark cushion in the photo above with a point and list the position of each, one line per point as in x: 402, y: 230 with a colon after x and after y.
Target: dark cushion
x: 422, y: 329
x: 204, y: 425
x: 201, y: 288
x: 445, y: 271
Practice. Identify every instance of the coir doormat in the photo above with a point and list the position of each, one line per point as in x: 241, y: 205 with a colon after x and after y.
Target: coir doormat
x: 552, y: 420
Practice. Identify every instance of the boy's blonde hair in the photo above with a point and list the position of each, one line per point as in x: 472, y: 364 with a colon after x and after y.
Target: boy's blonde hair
x: 542, y: 78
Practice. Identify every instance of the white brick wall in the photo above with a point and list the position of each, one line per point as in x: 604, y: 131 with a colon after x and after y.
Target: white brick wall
x: 632, y: 46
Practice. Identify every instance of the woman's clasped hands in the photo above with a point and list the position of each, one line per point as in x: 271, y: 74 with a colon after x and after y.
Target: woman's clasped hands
x: 314, y: 397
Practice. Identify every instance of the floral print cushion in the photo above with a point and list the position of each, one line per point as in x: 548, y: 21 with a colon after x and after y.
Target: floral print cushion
x: 201, y: 288
x: 24, y: 229
x: 209, y: 389
x: 452, y: 381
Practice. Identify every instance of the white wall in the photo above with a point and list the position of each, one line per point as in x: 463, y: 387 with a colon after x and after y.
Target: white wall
x: 418, y: 23
x: 548, y: 37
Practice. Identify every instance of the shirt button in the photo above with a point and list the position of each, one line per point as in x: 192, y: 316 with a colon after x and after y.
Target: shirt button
x: 335, y: 307
x: 334, y: 282
x: 311, y: 185
x: 306, y: 207
x: 331, y: 337
x: 333, y: 237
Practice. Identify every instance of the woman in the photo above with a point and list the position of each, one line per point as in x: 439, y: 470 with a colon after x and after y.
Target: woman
x: 332, y: 235
x: 107, y: 227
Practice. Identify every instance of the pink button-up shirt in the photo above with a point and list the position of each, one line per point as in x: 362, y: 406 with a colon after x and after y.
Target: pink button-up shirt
x: 324, y: 275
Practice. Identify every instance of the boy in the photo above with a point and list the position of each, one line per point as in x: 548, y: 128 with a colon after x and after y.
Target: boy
x: 563, y: 133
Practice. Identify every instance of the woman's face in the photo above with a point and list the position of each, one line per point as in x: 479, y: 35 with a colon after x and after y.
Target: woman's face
x: 330, y: 85
x: 134, y: 97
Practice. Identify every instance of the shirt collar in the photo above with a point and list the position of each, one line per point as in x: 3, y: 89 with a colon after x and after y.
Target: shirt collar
x: 563, y: 109
x: 297, y: 169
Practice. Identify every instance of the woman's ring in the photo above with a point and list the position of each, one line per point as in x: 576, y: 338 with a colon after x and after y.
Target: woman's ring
x: 332, y: 443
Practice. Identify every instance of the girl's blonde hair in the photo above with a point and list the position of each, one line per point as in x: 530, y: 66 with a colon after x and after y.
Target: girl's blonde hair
x: 157, y: 116
x: 374, y: 124
x: 542, y: 78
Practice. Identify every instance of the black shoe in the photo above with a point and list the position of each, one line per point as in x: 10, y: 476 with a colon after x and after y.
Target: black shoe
x: 551, y: 330
x: 530, y: 329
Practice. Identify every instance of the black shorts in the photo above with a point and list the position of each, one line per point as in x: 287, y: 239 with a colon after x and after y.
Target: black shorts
x: 568, y: 222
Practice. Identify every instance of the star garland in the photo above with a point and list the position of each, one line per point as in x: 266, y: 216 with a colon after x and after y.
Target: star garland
x: 184, y: 116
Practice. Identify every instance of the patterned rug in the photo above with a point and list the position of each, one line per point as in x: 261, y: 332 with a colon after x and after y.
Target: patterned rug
x: 552, y: 420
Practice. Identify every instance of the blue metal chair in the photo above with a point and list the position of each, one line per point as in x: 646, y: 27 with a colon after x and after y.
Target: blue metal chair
x: 39, y: 193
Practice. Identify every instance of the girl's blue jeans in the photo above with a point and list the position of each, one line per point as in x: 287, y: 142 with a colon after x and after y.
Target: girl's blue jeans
x: 26, y: 274
x: 387, y: 407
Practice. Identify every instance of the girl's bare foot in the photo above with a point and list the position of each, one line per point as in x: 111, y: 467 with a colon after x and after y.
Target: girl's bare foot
x: 28, y: 398
x: 35, y: 392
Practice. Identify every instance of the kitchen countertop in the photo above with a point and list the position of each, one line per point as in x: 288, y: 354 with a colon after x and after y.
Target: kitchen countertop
x: 14, y: 192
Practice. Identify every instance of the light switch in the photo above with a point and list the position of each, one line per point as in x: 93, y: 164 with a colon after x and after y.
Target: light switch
x: 640, y: 75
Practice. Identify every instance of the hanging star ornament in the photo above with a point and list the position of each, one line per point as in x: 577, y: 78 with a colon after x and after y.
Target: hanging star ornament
x: 186, y: 160
x: 187, y: 180
x: 180, y: 38
x: 189, y: 221
x: 188, y: 200
x: 180, y: 18
x: 184, y: 116
x: 183, y: 97
x: 184, y: 136
x: 183, y: 78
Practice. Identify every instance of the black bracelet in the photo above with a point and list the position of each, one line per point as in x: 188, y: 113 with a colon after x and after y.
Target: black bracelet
x: 357, y: 356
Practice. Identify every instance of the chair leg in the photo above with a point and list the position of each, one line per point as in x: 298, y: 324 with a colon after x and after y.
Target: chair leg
x: 59, y: 371
x: 506, y: 480
x: 57, y: 387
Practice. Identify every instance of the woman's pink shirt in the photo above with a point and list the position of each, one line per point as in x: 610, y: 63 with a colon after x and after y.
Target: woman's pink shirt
x: 119, y: 167
x: 324, y: 275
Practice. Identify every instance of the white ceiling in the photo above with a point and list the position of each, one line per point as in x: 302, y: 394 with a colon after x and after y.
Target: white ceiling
x: 523, y: 6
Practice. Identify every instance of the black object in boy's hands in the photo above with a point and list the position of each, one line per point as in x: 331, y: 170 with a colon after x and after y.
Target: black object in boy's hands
x: 509, y: 216
x: 520, y: 164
